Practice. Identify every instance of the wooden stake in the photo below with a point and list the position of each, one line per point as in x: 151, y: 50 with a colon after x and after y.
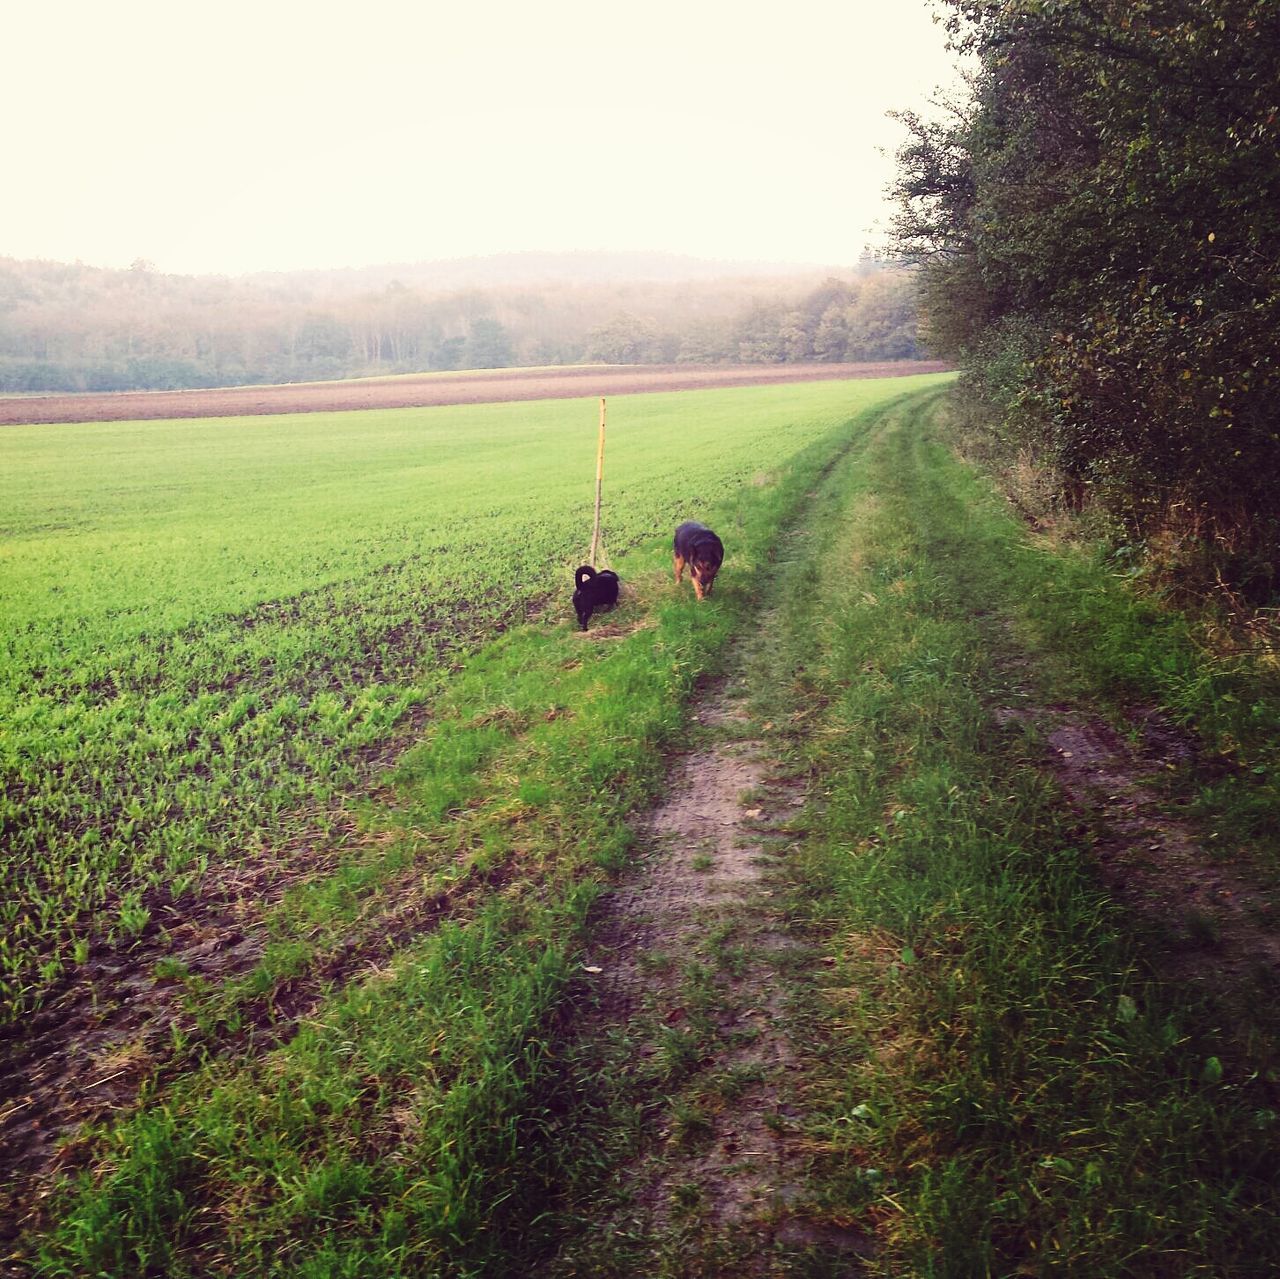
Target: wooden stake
x: 595, y: 531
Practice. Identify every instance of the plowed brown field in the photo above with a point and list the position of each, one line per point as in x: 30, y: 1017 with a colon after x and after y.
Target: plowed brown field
x: 421, y: 389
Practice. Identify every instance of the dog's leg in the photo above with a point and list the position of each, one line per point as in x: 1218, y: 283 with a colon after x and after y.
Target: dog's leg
x: 679, y: 568
x: 697, y: 583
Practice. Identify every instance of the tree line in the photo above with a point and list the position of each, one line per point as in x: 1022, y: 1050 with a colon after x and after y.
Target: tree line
x: 75, y: 327
x: 1097, y: 225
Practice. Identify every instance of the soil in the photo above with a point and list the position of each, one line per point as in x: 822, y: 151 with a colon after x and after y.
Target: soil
x: 424, y: 389
x: 1211, y: 925
x: 729, y: 1187
x: 711, y: 839
x: 114, y: 1029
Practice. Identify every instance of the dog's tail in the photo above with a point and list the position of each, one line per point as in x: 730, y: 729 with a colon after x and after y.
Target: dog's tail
x: 584, y: 574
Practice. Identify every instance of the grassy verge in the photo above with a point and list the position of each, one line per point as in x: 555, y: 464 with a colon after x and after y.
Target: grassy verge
x: 999, y: 1084
x: 398, y: 1128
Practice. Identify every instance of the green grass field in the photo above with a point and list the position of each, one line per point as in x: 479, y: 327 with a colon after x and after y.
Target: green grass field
x: 310, y: 691
x: 209, y: 626
x: 219, y: 634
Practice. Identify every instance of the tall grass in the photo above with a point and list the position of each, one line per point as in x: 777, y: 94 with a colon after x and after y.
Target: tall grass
x: 1006, y: 1089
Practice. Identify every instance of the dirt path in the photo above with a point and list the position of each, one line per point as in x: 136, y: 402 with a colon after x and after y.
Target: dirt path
x: 696, y: 968
x: 1212, y: 925
x: 693, y: 958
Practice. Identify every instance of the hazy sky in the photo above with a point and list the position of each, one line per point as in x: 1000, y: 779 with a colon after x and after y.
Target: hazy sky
x: 260, y: 134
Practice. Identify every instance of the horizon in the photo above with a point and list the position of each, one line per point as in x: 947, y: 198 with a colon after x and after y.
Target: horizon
x: 733, y: 268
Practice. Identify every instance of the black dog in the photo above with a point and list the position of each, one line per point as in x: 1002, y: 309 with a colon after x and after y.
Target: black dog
x: 697, y: 546
x: 594, y: 590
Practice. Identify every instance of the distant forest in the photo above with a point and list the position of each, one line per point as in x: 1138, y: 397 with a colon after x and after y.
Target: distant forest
x: 72, y: 327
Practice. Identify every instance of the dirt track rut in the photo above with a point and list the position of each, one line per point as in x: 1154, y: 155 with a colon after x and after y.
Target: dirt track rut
x: 693, y: 956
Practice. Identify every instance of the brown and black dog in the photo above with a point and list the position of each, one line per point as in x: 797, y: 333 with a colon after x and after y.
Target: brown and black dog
x: 698, y: 547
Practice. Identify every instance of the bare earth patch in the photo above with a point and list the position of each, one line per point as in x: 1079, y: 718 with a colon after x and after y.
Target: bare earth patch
x: 425, y: 389
x: 1216, y: 924
x: 121, y: 1025
x: 693, y: 956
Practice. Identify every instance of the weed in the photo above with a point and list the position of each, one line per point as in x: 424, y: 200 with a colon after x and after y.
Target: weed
x: 689, y: 1121
x: 687, y: 1196
x: 1202, y: 928
x: 734, y: 959
x: 656, y: 962
x: 171, y: 969
x: 735, y: 1081
x: 678, y: 1054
